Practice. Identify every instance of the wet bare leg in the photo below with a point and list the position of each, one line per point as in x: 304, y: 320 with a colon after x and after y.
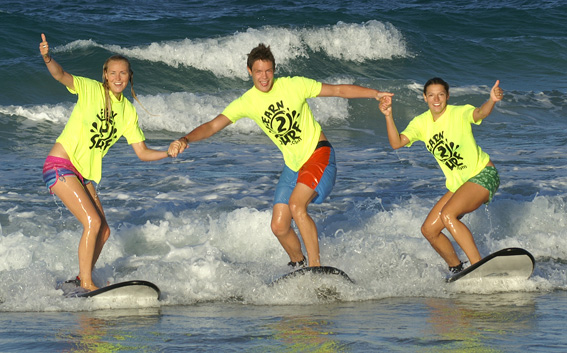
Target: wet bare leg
x: 79, y: 202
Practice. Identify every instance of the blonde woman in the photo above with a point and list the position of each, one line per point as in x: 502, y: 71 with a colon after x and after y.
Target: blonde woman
x: 101, y: 116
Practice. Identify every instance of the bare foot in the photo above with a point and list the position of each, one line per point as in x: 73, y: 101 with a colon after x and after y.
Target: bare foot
x: 88, y: 286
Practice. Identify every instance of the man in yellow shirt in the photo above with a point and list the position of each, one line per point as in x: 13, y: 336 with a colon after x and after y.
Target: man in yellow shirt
x: 279, y: 107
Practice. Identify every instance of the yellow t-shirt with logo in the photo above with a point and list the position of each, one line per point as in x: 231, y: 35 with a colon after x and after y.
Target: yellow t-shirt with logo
x: 284, y: 115
x: 450, y: 140
x: 87, y: 136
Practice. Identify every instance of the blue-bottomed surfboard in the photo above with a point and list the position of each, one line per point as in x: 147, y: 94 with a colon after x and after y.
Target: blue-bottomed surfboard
x: 505, y: 263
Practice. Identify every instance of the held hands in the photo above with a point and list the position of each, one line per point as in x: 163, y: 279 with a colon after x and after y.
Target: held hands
x: 177, y: 146
x: 496, y: 93
x: 380, y: 95
x: 385, y: 105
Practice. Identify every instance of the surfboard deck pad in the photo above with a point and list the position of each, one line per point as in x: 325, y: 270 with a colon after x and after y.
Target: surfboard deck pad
x: 505, y: 263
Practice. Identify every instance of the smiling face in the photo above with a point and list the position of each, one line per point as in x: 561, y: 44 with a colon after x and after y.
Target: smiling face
x: 117, y: 74
x: 262, y: 73
x: 436, y: 97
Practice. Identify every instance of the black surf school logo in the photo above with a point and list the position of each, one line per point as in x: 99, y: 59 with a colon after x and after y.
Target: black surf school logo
x: 445, y: 151
x: 103, y: 131
x: 282, y: 123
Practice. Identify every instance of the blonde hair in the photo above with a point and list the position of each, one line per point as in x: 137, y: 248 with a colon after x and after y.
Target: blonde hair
x: 108, y: 102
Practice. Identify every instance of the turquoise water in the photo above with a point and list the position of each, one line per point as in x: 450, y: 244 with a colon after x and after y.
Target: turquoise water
x: 198, y: 226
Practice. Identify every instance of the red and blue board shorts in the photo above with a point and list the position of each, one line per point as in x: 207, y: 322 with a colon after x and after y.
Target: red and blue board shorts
x: 319, y: 173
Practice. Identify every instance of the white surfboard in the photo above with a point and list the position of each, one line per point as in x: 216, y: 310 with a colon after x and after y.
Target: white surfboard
x: 505, y: 263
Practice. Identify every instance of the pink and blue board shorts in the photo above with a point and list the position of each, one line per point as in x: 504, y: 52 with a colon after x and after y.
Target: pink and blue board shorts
x: 56, y: 168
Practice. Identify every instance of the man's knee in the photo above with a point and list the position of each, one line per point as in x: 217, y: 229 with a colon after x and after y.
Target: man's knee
x: 279, y: 228
x: 298, y: 210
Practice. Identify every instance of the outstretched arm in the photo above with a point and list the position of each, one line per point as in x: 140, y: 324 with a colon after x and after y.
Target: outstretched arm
x: 147, y: 154
x: 201, y: 132
x: 396, y: 140
x: 496, y: 94
x: 351, y: 91
x: 54, y: 68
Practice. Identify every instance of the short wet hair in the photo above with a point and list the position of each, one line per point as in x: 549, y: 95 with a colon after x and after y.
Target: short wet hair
x: 261, y: 52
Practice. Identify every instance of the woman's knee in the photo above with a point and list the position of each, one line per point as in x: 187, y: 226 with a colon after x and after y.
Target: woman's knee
x: 97, y: 225
x: 93, y: 223
x: 427, y: 232
x: 105, y: 232
x: 431, y: 231
x: 449, y: 218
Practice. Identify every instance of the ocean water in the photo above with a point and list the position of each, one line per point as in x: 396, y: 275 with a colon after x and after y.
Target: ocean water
x: 198, y: 226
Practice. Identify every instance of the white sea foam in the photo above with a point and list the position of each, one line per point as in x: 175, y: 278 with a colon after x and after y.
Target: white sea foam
x: 57, y: 113
x: 183, y: 111
x: 215, y: 253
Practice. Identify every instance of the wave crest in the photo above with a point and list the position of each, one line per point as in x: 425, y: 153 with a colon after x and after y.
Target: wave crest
x: 226, y: 56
